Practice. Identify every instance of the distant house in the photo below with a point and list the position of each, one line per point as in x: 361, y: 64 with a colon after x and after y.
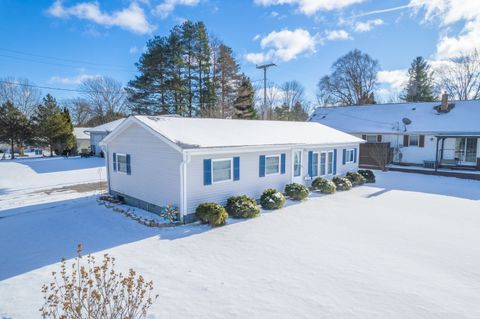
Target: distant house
x: 82, y: 139
x: 97, y: 134
x: 434, y: 134
x: 156, y: 161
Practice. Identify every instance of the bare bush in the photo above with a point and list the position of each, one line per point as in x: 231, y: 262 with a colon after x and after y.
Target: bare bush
x: 379, y: 153
x: 87, y: 290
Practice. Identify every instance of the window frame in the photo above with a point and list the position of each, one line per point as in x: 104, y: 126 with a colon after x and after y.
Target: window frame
x: 325, y: 164
x: 316, y: 166
x: 222, y: 160
x: 410, y: 141
x: 349, y: 159
x: 278, y: 166
x: 329, y: 162
x: 294, y: 164
x: 118, y: 162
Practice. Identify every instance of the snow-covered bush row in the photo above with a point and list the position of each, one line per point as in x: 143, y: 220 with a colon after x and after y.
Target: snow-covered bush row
x: 368, y: 175
x: 324, y: 185
x: 342, y: 183
x: 355, y: 178
x: 212, y: 213
x: 296, y: 191
x: 272, y: 199
x: 242, y: 207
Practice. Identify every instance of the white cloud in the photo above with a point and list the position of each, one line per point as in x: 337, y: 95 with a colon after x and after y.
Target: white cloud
x: 256, y: 37
x: 133, y: 50
x: 396, y: 79
x: 131, y: 18
x: 449, y: 13
x: 366, y: 26
x: 166, y: 8
x: 74, y: 80
x: 310, y: 7
x: 333, y: 35
x: 284, y: 46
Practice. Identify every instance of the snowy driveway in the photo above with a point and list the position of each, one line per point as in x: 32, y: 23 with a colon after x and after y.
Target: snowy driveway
x: 405, y: 247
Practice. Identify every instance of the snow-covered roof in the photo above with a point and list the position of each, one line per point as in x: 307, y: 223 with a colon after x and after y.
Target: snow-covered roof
x: 387, y: 118
x: 105, y: 128
x: 213, y: 133
x: 79, y: 133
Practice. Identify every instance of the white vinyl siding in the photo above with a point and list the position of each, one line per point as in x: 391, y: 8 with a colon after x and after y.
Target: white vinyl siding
x: 155, y: 167
x: 221, y: 170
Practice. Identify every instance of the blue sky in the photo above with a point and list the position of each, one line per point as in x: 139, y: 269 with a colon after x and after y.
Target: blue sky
x: 58, y: 43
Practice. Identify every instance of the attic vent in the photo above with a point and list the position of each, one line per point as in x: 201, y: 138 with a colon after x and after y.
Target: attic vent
x: 414, y: 108
x: 324, y: 116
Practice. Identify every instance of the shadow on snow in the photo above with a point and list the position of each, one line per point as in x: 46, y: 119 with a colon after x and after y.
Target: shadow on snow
x: 61, y: 164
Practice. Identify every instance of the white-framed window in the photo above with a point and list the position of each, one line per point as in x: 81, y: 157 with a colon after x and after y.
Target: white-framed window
x: 323, y: 164
x: 122, y: 163
x: 272, y: 164
x: 222, y: 170
x: 330, y: 163
x: 413, y: 140
x: 372, y: 138
x: 350, y: 156
x: 315, y: 164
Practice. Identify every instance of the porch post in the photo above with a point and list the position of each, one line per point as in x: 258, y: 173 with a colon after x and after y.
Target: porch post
x: 436, y: 155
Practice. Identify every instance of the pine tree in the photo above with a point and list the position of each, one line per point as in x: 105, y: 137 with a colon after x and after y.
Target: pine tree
x: 52, y: 126
x: 298, y: 112
x: 15, y: 128
x: 419, y: 87
x: 282, y: 113
x: 244, y: 103
x: 228, y: 79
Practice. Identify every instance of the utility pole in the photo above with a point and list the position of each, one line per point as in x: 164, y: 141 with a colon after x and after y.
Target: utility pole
x: 265, y: 67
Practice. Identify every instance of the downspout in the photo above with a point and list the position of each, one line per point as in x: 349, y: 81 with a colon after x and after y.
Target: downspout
x: 183, y: 184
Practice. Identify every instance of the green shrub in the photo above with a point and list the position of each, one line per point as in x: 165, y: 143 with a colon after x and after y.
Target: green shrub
x: 242, y: 207
x: 368, y: 175
x: 355, y: 178
x: 342, y: 183
x: 211, y: 213
x: 272, y: 199
x: 296, y: 191
x: 324, y: 185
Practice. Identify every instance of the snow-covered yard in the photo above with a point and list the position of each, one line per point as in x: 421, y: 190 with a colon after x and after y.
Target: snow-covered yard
x: 405, y: 247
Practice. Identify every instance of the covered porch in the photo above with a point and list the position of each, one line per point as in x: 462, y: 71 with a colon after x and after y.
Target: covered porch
x: 458, y: 152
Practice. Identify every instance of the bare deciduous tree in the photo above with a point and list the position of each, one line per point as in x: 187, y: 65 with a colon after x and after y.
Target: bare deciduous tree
x: 352, y: 81
x: 80, y: 111
x: 460, y: 77
x: 292, y: 92
x: 21, y: 93
x: 106, y: 97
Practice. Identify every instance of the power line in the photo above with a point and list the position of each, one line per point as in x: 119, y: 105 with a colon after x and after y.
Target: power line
x: 56, y: 88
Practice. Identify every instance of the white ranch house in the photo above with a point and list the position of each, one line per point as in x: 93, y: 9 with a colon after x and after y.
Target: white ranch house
x: 431, y: 134
x: 98, y: 133
x: 156, y: 161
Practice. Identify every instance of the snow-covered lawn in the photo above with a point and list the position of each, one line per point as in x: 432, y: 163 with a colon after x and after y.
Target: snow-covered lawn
x: 22, y: 181
x: 405, y: 247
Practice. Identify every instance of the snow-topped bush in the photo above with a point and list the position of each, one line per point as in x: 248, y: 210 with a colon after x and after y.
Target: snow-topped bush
x: 368, y: 175
x: 324, y: 185
x: 296, y: 191
x: 272, y: 199
x: 342, y: 183
x: 355, y: 178
x: 212, y: 213
x: 242, y: 207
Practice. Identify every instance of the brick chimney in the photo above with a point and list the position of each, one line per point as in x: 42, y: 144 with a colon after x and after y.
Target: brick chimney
x: 444, y: 105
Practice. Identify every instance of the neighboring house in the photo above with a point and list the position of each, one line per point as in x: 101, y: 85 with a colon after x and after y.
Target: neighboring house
x: 82, y: 139
x: 97, y: 134
x: 430, y: 134
x: 156, y: 161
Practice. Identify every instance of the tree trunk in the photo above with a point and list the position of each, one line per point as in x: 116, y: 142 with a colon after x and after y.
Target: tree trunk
x: 13, y: 152
x: 51, y: 150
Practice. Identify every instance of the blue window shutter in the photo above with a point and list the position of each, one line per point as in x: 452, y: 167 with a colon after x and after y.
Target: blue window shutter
x: 335, y: 162
x: 129, y: 169
x: 310, y: 163
x: 282, y: 163
x: 344, y: 160
x: 354, y: 155
x: 114, y: 155
x: 261, y: 166
x: 236, y: 168
x: 207, y: 172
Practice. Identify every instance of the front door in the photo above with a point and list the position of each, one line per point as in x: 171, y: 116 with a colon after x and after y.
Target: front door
x: 297, y: 166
